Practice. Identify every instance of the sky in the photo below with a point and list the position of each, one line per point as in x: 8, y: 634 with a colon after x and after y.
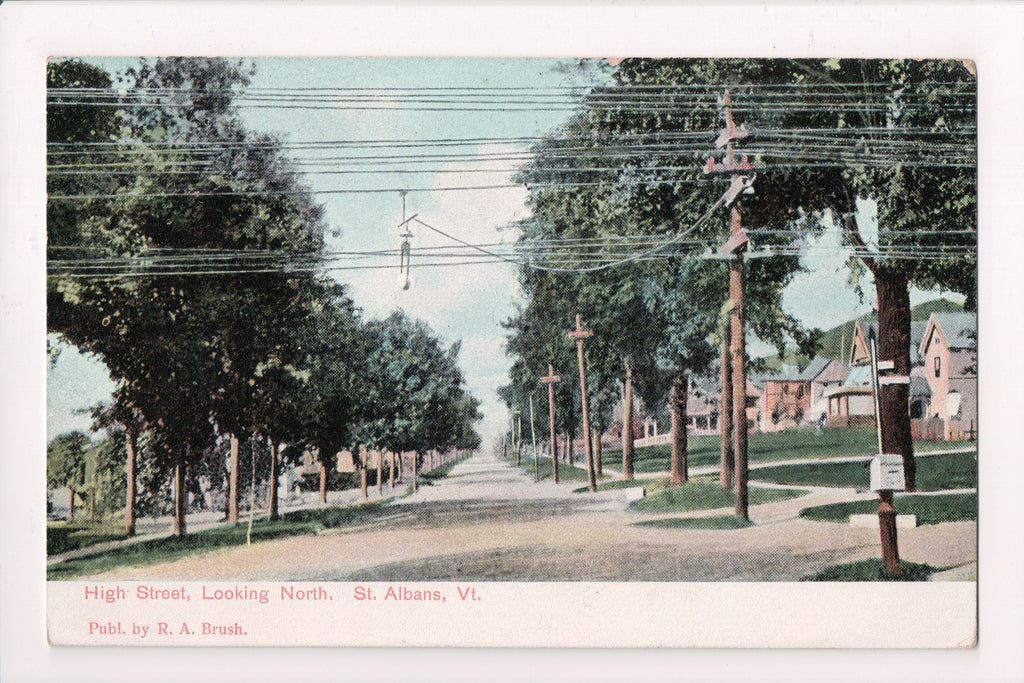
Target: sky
x: 465, y: 304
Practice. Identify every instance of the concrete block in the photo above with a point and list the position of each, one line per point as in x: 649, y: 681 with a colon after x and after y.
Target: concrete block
x: 634, y: 493
x: 902, y: 521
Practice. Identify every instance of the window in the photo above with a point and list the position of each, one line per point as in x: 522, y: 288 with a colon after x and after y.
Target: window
x: 938, y: 366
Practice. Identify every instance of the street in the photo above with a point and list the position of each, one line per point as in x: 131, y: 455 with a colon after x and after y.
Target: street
x: 489, y: 520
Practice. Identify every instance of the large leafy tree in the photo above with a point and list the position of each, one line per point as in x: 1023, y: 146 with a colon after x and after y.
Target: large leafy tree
x: 186, y: 354
x: 415, y: 397
x: 638, y: 234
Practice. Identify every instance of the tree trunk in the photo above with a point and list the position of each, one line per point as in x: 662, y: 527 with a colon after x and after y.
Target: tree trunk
x: 323, y: 482
x: 679, y: 473
x: 179, y: 497
x: 363, y: 476
x: 597, y: 452
x: 415, y: 470
x: 380, y: 473
x: 627, y: 426
x: 893, y: 293
x: 233, y: 483
x: 92, y: 503
x: 739, y: 383
x: 273, y: 478
x: 725, y: 418
x: 570, y: 447
x: 129, y: 504
x: 401, y: 467
x: 391, y: 471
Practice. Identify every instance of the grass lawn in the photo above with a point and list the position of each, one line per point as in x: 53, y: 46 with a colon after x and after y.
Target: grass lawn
x: 798, y: 443
x: 566, y: 472
x: 442, y: 471
x: 64, y: 536
x: 704, y: 494
x: 953, y: 507
x: 934, y: 473
x: 173, y: 547
x: 724, y: 522
x: 873, y: 570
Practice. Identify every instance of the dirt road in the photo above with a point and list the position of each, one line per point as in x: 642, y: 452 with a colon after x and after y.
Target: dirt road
x: 490, y: 521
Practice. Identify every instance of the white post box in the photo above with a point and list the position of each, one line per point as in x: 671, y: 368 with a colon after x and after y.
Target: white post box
x: 887, y: 473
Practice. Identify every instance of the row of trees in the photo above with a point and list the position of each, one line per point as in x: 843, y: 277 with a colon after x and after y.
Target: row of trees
x: 220, y: 348
x: 657, y: 321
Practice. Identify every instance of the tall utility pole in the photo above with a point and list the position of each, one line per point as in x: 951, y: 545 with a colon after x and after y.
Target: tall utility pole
x: 886, y: 506
x: 627, y: 424
x: 533, y: 439
x: 519, y: 437
x: 551, y: 380
x: 741, y: 180
x: 580, y: 334
x: 725, y: 418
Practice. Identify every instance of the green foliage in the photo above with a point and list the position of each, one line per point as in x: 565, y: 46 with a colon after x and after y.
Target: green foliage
x: 725, y: 522
x: 934, y: 473
x: 62, y: 537
x: 873, y: 570
x: 700, y: 494
x: 154, y: 551
x: 933, y: 509
x: 766, y: 446
x: 65, y: 460
x: 262, y: 355
x: 416, y: 395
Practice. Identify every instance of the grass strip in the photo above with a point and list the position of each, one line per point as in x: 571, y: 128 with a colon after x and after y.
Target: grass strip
x: 934, y: 473
x: 953, y: 507
x: 723, y: 522
x: 764, y: 446
x: 705, y: 494
x: 566, y: 472
x: 873, y: 570
x: 64, y: 536
x: 298, y: 522
x: 442, y: 471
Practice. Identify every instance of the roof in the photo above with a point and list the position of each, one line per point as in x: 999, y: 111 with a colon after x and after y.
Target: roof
x: 814, y: 368
x: 860, y: 375
x: 917, y: 330
x: 959, y: 329
x: 919, y: 386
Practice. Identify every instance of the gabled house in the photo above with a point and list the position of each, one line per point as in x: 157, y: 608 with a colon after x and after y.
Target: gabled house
x: 785, y: 399
x: 793, y: 397
x: 823, y: 374
x: 860, y: 350
x: 950, y: 358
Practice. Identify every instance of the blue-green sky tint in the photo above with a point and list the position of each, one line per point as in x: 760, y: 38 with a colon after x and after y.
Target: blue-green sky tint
x: 466, y: 303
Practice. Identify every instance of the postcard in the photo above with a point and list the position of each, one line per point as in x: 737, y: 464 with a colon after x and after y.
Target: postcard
x: 427, y: 335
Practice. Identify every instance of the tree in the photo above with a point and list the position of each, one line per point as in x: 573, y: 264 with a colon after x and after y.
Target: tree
x: 169, y: 338
x: 628, y: 201
x: 65, y: 460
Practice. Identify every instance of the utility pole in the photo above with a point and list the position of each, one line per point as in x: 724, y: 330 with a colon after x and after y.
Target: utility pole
x: 886, y: 506
x: 551, y: 380
x: 725, y: 418
x: 741, y: 180
x: 580, y: 334
x: 518, y: 436
x: 533, y: 438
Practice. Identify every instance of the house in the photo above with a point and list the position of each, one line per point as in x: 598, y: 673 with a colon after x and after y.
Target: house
x: 793, y: 397
x: 860, y: 349
x: 785, y: 399
x: 702, y: 408
x: 950, y: 358
x: 824, y: 374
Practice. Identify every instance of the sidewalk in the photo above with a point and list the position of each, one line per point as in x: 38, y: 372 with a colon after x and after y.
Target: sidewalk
x: 152, y: 528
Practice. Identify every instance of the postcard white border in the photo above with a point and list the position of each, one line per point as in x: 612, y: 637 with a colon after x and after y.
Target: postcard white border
x: 990, y: 34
